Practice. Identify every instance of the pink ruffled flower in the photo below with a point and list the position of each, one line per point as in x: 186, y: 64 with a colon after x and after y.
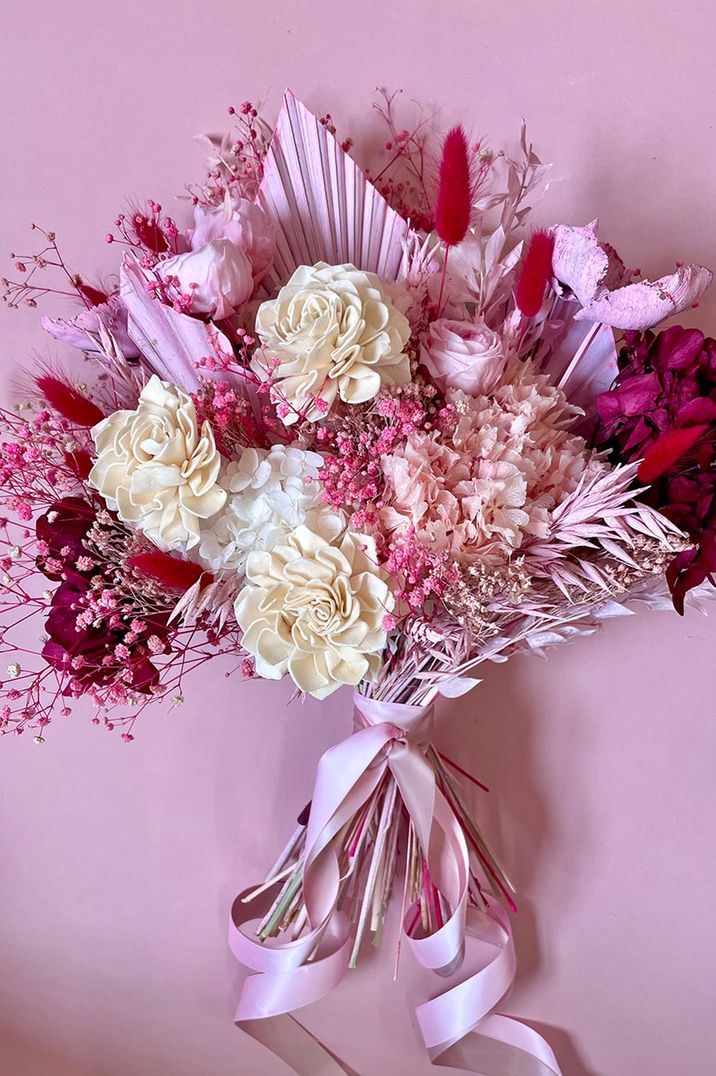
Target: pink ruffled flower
x: 453, y: 504
x: 495, y: 499
x: 244, y: 224
x: 218, y: 276
x: 83, y: 330
x: 488, y: 478
x: 463, y: 355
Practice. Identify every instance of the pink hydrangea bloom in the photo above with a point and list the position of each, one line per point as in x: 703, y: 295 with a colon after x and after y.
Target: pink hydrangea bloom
x: 487, y: 479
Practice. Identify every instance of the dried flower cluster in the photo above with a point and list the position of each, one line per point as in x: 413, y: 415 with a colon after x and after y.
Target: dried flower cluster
x: 338, y: 446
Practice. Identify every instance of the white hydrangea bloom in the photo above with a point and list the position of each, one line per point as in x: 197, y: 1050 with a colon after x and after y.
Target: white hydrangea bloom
x: 269, y: 494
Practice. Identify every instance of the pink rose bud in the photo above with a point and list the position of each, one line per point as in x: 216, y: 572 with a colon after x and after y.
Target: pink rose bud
x: 463, y: 355
x: 242, y: 222
x: 217, y: 276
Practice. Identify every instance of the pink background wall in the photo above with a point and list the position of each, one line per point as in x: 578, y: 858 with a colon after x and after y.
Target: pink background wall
x: 119, y: 862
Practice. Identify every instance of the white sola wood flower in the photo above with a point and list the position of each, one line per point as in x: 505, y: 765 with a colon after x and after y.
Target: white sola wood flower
x: 270, y: 493
x: 332, y: 331
x: 314, y: 608
x: 157, y: 469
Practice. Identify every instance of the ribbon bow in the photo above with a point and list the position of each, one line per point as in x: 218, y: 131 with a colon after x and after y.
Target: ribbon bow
x: 456, y: 1027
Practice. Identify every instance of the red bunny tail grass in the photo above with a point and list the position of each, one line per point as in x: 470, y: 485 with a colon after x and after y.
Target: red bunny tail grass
x: 170, y: 572
x: 68, y: 401
x: 455, y: 189
x: 667, y: 450
x: 535, y: 273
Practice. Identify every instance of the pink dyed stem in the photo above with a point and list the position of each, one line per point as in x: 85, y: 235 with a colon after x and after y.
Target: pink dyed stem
x: 442, y: 280
x: 478, y: 851
x: 463, y: 772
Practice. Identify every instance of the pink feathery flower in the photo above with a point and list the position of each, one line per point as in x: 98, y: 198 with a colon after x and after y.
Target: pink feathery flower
x: 455, y: 189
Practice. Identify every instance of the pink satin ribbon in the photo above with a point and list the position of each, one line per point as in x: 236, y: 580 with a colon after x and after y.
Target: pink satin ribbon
x: 458, y: 1026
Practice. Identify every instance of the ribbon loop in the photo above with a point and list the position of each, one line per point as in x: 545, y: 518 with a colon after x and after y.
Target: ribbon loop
x: 458, y: 1027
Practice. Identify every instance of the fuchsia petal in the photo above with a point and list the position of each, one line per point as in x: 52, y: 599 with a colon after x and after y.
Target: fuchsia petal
x: 174, y: 573
x: 697, y: 411
x: 677, y: 348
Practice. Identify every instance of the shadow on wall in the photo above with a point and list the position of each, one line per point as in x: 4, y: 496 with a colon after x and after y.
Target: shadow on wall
x: 497, y: 733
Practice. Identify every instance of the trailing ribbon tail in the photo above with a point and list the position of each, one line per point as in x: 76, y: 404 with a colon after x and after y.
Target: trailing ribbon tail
x: 385, y: 762
x: 459, y: 1027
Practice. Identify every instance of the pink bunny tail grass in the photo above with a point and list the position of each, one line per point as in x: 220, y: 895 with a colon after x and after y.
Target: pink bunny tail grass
x: 534, y: 275
x: 455, y: 189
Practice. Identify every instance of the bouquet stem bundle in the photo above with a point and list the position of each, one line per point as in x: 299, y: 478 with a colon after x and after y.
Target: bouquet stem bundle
x: 369, y: 847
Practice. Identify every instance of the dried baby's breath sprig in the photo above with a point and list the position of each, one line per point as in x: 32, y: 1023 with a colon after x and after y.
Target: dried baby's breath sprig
x: 471, y: 600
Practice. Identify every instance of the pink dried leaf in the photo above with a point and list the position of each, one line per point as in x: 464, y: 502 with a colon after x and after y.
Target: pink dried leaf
x: 611, y: 609
x: 171, y: 343
x: 592, y: 573
x: 619, y: 553
x: 583, y: 264
x: 457, y: 686
x: 643, y: 305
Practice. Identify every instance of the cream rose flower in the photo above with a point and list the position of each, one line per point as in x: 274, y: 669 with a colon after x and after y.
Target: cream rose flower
x: 463, y: 355
x: 314, y: 608
x: 332, y: 331
x: 156, y: 469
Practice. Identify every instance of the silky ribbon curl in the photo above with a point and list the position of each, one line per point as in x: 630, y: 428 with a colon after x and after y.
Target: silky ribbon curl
x: 390, y: 739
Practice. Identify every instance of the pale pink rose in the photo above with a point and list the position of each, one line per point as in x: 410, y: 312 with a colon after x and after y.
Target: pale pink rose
x: 243, y: 223
x: 218, y: 276
x: 463, y: 355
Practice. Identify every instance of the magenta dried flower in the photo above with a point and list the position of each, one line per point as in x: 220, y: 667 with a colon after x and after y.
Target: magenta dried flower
x: 667, y: 382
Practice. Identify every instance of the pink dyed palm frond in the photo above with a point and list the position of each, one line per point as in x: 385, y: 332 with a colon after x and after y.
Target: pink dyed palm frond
x: 171, y: 343
x: 321, y: 204
x: 579, y: 357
